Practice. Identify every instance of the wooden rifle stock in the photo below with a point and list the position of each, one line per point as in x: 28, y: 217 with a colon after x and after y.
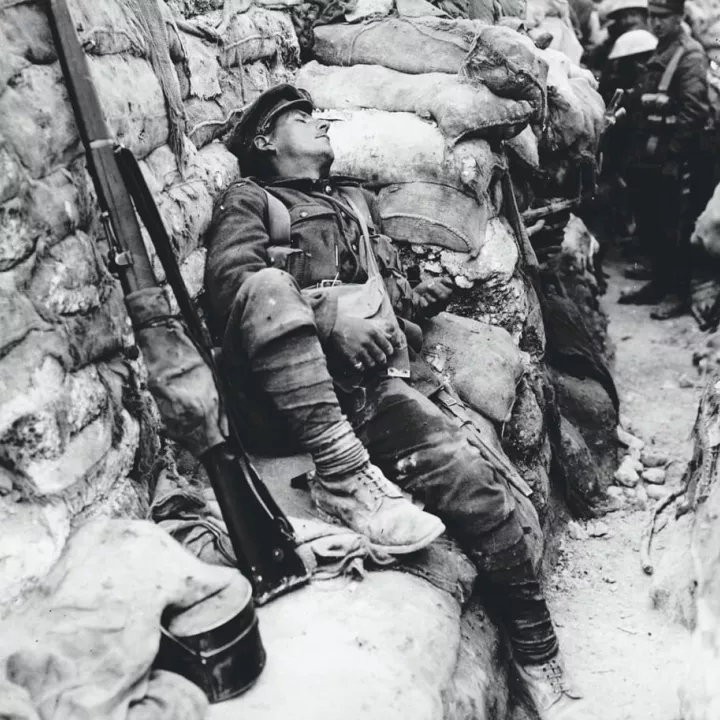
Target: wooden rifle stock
x: 260, y: 533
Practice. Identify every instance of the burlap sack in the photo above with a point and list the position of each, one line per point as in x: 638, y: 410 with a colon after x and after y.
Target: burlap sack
x: 481, y: 361
x: 507, y: 63
x: 458, y: 108
x: 433, y: 214
x: 411, y: 45
x: 384, y: 148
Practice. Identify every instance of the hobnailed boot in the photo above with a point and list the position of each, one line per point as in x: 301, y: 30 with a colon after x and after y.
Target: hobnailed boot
x: 368, y: 503
x: 553, y: 692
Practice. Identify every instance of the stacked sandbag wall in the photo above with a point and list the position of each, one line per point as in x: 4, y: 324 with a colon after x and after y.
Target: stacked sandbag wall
x: 435, y: 114
x: 78, y: 433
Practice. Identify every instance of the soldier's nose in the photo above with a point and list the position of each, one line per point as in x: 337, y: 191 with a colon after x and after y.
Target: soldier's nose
x: 323, y: 125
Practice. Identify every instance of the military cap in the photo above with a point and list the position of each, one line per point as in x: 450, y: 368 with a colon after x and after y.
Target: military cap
x: 258, y: 117
x: 666, y: 7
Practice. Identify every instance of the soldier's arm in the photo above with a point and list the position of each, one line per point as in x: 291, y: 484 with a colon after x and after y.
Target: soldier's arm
x: 693, y: 105
x: 238, y: 243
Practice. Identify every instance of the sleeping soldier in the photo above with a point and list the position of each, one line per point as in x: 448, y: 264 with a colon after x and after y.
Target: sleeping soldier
x: 315, y: 320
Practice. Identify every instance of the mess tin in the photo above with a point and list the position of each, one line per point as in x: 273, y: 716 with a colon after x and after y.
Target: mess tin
x: 216, y: 643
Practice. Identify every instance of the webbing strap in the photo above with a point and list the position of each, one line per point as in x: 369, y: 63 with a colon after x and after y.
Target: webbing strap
x: 670, y: 70
x: 278, y: 219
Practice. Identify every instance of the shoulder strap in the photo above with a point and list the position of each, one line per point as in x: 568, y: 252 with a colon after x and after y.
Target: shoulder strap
x: 278, y: 220
x: 672, y: 66
x: 356, y: 200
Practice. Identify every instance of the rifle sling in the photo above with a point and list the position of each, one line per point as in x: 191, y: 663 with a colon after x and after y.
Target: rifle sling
x: 150, y: 216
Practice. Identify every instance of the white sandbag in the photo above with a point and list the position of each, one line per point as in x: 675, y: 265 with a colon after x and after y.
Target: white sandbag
x: 384, y: 148
x: 186, y: 201
x: 38, y: 123
x: 411, y: 45
x: 364, y: 9
x: 575, y: 108
x: 258, y: 34
x: 707, y: 228
x: 496, y: 261
x: 458, y: 108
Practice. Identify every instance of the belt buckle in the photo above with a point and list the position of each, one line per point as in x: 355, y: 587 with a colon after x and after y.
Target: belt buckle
x: 329, y: 283
x: 397, y: 373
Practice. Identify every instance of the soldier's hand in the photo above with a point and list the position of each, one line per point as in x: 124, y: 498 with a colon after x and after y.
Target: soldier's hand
x: 433, y: 296
x: 365, y: 344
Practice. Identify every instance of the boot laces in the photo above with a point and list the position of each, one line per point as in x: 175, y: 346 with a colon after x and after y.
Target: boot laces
x: 555, y: 676
x: 374, y: 482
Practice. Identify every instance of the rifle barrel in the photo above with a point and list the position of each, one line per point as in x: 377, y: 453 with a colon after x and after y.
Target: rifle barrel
x: 131, y: 258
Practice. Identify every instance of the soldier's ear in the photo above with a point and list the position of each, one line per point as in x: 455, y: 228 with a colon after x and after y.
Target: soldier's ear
x: 263, y: 143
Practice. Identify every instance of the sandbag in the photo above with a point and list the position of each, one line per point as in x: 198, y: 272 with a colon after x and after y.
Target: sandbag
x: 481, y: 361
x: 524, y: 147
x: 186, y: 201
x: 257, y: 34
x: 564, y: 39
x: 411, y: 45
x: 458, y: 108
x: 707, y: 227
x: 38, y: 123
x: 494, y: 264
x: 433, y: 214
x: 384, y: 148
x: 507, y: 63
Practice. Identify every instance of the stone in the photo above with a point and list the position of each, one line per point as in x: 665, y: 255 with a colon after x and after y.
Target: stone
x: 626, y: 474
x: 577, y: 531
x: 628, y: 439
x: 654, y: 476
x: 641, y: 497
x: 656, y: 492
x: 598, y: 529
x: 652, y: 458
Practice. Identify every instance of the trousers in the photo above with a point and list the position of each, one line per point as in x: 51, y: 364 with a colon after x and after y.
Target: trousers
x: 277, y: 366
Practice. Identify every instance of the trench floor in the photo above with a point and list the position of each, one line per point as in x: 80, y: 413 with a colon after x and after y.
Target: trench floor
x: 628, y: 658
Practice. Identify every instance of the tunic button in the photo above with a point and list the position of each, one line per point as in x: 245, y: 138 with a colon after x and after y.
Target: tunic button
x: 303, y: 214
x: 328, y: 190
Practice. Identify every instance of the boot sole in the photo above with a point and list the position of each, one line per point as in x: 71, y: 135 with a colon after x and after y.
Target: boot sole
x: 389, y: 549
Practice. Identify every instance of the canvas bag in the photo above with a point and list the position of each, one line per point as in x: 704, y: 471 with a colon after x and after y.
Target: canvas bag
x: 368, y: 300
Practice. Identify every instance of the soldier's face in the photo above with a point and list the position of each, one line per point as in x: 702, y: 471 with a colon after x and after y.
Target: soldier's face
x: 298, y: 135
x: 663, y: 26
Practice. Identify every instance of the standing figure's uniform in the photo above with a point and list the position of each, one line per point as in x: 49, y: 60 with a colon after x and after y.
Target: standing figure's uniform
x: 669, y: 111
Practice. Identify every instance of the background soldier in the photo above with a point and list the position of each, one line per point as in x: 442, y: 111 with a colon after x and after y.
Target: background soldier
x: 668, y: 112
x: 620, y: 17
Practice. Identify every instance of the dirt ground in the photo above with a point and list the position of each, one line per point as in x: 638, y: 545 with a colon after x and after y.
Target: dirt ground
x: 628, y: 658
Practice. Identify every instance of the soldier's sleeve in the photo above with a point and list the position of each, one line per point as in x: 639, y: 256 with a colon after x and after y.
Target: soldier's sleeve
x: 238, y: 242
x: 693, y: 104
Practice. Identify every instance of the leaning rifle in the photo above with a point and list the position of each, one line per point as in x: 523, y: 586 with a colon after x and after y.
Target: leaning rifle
x: 183, y: 376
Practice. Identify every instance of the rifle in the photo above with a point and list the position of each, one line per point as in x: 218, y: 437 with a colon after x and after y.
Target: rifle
x: 183, y: 375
